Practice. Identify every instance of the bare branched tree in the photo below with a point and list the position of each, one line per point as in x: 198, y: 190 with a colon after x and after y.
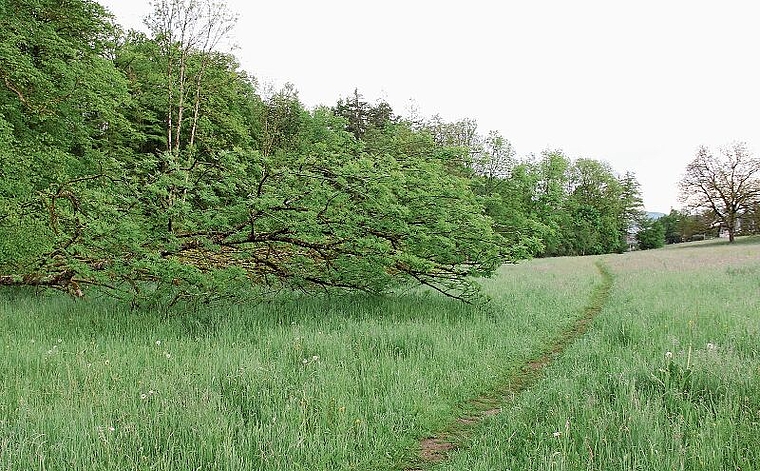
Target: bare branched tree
x: 183, y: 28
x: 727, y: 185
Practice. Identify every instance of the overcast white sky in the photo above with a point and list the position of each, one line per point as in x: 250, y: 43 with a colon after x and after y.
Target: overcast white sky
x: 638, y: 84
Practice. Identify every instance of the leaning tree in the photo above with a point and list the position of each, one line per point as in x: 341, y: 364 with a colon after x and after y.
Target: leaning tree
x: 727, y: 185
x: 146, y: 167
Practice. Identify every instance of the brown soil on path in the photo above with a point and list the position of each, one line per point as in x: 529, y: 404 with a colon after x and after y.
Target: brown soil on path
x: 436, y: 448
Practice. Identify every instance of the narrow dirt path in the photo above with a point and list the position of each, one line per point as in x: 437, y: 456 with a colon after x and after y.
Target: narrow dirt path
x: 436, y: 448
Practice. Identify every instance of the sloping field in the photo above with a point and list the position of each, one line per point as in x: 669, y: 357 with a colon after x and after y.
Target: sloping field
x: 667, y: 378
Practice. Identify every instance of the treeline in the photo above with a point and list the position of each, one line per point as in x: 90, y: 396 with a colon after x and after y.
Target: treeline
x: 147, y: 164
x: 682, y: 226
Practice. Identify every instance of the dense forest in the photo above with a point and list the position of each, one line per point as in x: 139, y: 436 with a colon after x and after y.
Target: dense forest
x: 148, y: 164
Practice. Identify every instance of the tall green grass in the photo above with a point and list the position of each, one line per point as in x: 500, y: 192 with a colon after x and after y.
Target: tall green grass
x: 667, y: 378
x: 295, y: 383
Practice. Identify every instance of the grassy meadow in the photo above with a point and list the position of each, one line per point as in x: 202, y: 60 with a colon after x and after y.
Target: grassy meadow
x: 296, y: 383
x: 667, y: 377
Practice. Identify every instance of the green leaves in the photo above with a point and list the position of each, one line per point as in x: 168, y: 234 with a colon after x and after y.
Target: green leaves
x: 153, y: 168
x: 651, y: 235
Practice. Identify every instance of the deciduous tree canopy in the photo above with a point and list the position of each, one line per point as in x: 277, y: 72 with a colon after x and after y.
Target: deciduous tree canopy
x: 146, y: 165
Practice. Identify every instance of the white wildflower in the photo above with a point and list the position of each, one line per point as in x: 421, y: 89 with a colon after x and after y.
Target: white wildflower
x: 668, y: 355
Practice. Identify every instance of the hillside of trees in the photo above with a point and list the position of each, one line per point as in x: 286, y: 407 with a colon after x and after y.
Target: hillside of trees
x: 152, y: 164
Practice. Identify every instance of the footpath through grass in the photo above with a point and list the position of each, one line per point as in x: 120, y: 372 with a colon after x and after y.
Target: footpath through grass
x: 667, y: 378
x: 439, y: 446
x: 295, y: 384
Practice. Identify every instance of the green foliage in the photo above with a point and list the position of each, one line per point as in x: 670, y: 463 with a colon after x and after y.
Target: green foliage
x: 684, y: 227
x: 651, y: 235
x: 59, y: 98
x: 588, y: 209
x: 151, y: 167
x: 595, y: 210
x: 670, y: 224
x: 549, y: 206
x: 361, y: 117
x: 119, y: 193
